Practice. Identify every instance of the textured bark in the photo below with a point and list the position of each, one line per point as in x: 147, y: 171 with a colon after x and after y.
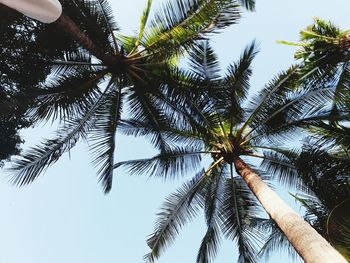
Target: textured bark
x: 310, y: 245
x: 66, y: 24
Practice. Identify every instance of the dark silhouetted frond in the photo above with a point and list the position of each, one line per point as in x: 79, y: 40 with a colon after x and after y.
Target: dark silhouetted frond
x: 238, y: 211
x: 169, y: 163
x: 31, y: 164
x: 104, y: 133
x: 177, y: 210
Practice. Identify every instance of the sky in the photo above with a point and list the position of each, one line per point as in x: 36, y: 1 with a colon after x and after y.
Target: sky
x: 64, y: 215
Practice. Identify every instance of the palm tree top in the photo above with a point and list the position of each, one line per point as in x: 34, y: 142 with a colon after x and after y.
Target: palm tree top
x: 88, y: 94
x: 225, y: 126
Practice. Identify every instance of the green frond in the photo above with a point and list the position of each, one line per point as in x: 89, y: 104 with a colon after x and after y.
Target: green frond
x: 275, y: 118
x: 179, y: 23
x: 279, y: 86
x: 143, y: 22
x: 334, y: 135
x: 178, y: 137
x: 110, y: 23
x: 209, y: 245
x: 127, y: 43
x: 288, y: 43
x: 321, y: 28
x: 323, y: 48
x: 69, y: 63
x: 324, y: 172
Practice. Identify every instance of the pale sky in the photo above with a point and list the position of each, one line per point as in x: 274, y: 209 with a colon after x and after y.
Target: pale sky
x: 64, y: 215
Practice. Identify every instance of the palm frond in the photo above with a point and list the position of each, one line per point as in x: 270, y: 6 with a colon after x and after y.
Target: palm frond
x: 178, y: 209
x: 239, y: 207
x: 178, y: 137
x: 280, y: 165
x: 103, y: 135
x: 37, y: 159
x: 168, y: 164
x: 213, y: 194
x: 179, y: 23
x: 143, y: 23
x: 203, y: 61
x: 333, y: 135
x: 142, y: 107
x: 111, y: 24
x: 96, y: 19
x: 284, y: 110
x: 323, y: 49
x: 236, y: 85
x: 69, y: 63
x: 280, y: 85
x: 67, y: 95
x: 277, y: 241
x: 248, y: 4
x: 209, y: 245
x: 342, y: 86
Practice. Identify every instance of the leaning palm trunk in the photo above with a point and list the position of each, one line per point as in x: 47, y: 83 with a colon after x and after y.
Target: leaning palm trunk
x: 311, y: 246
x: 67, y: 25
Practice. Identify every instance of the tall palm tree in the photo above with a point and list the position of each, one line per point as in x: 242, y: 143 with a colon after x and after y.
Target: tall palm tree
x: 226, y: 130
x: 134, y: 71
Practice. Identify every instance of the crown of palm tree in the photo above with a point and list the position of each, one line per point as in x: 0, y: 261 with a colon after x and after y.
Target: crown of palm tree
x: 226, y: 127
x: 324, y: 51
x: 87, y: 91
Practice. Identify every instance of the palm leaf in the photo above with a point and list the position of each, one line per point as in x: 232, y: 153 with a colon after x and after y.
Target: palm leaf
x: 213, y: 194
x: 239, y: 207
x: 168, y: 164
x: 177, y: 210
x: 104, y: 136
x: 277, y: 241
x: 281, y: 165
x: 204, y: 62
x: 67, y: 95
x: 179, y: 23
x: 248, y: 4
x: 236, y: 85
x: 37, y: 159
x: 96, y: 19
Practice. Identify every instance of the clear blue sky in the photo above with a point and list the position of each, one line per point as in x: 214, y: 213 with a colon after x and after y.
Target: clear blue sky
x: 65, y: 217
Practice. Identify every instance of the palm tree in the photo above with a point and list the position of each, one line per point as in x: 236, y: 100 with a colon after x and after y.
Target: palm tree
x: 227, y: 130
x: 134, y: 71
x: 324, y: 52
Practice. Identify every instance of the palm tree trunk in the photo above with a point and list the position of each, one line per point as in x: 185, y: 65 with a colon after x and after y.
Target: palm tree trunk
x: 311, y: 246
x: 66, y: 24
